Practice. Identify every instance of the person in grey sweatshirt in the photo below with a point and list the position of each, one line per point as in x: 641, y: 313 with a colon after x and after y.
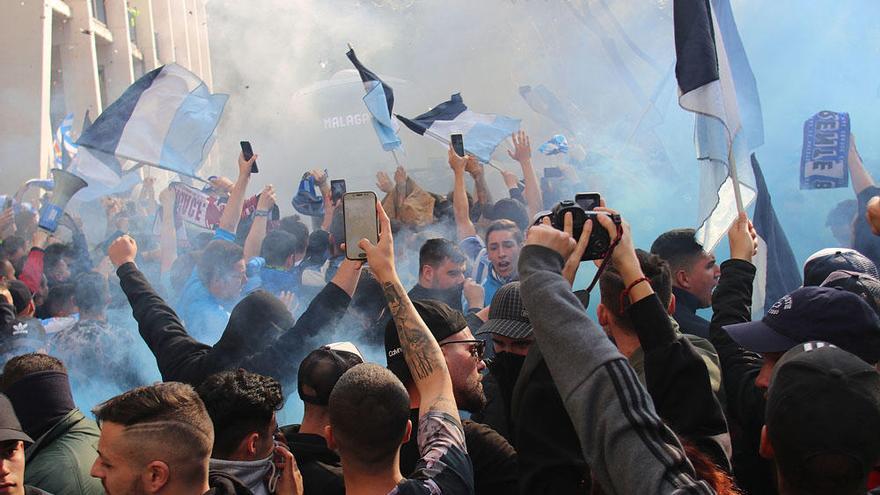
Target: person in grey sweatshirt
x: 628, y: 447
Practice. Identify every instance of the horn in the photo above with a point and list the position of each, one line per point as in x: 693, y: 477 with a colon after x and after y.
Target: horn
x: 66, y: 185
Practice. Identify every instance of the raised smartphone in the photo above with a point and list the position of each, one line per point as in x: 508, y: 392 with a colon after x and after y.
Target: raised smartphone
x: 360, y: 222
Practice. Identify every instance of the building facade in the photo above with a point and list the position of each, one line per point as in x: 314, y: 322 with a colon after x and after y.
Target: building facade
x: 74, y: 56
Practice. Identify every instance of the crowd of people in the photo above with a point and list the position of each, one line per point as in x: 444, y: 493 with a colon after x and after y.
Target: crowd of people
x: 495, y: 379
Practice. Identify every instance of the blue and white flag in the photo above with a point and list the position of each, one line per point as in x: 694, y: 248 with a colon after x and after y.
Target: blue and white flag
x: 166, y: 119
x: 380, y: 103
x: 64, y: 147
x: 104, y: 174
x: 556, y: 145
x: 825, y: 152
x: 715, y: 83
x: 482, y: 132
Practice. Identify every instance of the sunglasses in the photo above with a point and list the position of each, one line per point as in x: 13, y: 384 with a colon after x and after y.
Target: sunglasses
x: 477, y: 349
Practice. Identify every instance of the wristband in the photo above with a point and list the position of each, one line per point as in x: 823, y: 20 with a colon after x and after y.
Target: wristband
x: 625, y: 294
x: 261, y: 213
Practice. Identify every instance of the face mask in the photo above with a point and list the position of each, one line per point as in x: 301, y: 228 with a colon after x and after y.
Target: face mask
x: 259, y: 476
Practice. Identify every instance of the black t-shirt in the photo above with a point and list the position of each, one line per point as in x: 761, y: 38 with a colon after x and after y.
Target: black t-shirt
x: 444, y: 467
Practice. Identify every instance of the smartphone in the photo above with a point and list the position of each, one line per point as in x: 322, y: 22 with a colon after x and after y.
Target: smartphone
x: 337, y: 189
x: 552, y: 172
x: 248, y: 152
x: 360, y: 222
x: 457, y: 144
x: 587, y: 201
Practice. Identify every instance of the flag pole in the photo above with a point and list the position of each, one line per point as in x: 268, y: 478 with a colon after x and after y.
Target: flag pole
x: 733, y: 175
x: 396, y: 160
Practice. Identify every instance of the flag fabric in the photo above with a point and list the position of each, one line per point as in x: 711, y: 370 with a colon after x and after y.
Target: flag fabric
x: 825, y: 151
x: 380, y: 103
x: 709, y: 87
x: 104, y: 174
x: 481, y: 132
x: 554, y: 146
x: 63, y: 144
x: 545, y: 102
x: 778, y: 272
x: 166, y: 119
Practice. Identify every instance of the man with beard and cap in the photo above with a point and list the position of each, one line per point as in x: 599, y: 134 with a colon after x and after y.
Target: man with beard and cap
x: 66, y: 441
x: 12, y: 459
x: 242, y: 406
x: 318, y: 373
x: 493, y: 458
x: 260, y: 336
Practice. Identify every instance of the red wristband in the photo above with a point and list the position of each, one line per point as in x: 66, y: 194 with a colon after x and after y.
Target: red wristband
x: 625, y: 294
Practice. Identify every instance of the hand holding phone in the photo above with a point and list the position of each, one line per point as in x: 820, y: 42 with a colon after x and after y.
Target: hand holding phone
x: 248, y: 153
x: 337, y: 189
x: 360, y: 221
x: 457, y: 144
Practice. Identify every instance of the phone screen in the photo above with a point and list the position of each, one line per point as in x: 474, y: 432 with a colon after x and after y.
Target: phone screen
x: 337, y: 189
x: 587, y: 201
x: 248, y: 152
x: 359, y: 218
x: 457, y: 144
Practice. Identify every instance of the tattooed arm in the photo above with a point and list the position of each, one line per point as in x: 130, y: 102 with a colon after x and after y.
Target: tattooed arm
x: 420, y: 349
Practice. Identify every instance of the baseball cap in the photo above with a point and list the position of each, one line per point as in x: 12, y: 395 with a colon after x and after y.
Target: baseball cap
x: 441, y: 320
x: 21, y: 295
x: 814, y: 313
x: 823, y: 400
x: 507, y: 315
x: 824, y: 261
x: 321, y: 369
x: 10, y: 428
x: 860, y: 284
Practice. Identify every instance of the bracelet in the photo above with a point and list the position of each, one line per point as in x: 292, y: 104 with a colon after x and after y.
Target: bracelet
x: 261, y: 213
x: 625, y: 294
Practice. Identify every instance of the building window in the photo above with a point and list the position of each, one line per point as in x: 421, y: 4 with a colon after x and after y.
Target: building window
x: 102, y: 86
x: 139, y: 67
x: 132, y: 24
x: 99, y: 11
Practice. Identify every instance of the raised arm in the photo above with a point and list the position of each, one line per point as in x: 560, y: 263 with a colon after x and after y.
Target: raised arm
x: 232, y: 212
x: 254, y: 240
x: 460, y: 206
x: 860, y: 177
x: 484, y: 197
x: 421, y: 351
x: 523, y: 154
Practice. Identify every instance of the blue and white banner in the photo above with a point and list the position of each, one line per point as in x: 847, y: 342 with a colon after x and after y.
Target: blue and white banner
x: 380, y: 103
x: 64, y: 147
x: 826, y: 147
x: 482, y: 132
x: 166, y: 119
x: 554, y: 146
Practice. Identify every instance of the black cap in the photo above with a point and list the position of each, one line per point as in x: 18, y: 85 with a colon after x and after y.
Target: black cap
x: 21, y: 295
x: 821, y: 263
x: 441, y: 320
x: 321, y: 369
x: 507, y: 315
x: 860, y: 284
x: 821, y: 400
x: 814, y: 313
x: 10, y: 428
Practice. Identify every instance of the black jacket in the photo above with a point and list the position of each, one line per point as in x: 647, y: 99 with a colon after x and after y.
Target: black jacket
x: 221, y: 483
x: 686, y: 306
x: 495, y: 465
x: 182, y: 358
x: 731, y: 303
x: 320, y: 467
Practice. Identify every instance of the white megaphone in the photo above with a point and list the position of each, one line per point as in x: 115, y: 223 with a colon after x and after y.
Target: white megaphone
x: 66, y: 185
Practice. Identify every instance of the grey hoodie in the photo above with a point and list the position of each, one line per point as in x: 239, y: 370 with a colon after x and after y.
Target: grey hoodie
x: 627, y: 446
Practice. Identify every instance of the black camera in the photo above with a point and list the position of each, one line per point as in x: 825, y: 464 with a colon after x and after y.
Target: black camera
x: 600, y: 241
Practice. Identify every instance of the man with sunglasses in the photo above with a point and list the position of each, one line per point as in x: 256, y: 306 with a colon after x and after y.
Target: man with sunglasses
x: 493, y: 458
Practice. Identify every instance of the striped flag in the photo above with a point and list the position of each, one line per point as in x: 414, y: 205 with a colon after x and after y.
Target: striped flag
x: 716, y: 83
x: 63, y: 145
x: 482, y: 132
x: 380, y: 103
x: 166, y: 119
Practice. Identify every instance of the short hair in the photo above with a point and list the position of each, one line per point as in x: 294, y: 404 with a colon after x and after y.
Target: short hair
x: 434, y: 251
x: 25, y: 364
x: 239, y: 403
x: 293, y: 225
x: 10, y: 245
x: 59, y: 295
x: 216, y: 259
x: 53, y: 254
x: 369, y: 408
x: 679, y: 247
x: 92, y: 292
x: 504, y: 224
x: 277, y: 246
x: 611, y: 285
x: 165, y: 421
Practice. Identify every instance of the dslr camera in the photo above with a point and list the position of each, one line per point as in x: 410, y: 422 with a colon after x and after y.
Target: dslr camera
x: 581, y: 210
